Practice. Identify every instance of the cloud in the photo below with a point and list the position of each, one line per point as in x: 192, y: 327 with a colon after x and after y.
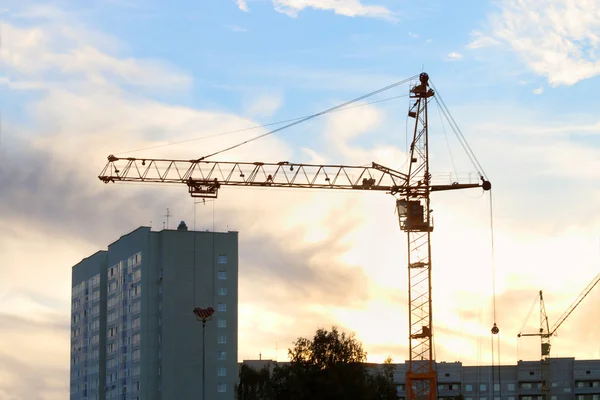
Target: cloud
x: 557, y: 39
x: 20, y: 380
x: 47, y: 50
x: 329, y: 256
x: 480, y: 40
x: 51, y: 197
x: 263, y: 105
x: 539, y: 90
x: 454, y: 56
x: 242, y: 5
x: 236, y: 28
x: 413, y: 35
x: 348, y: 8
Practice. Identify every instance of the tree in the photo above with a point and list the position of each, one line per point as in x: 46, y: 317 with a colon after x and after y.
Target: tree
x: 331, y: 366
x: 254, y: 385
x: 382, y: 383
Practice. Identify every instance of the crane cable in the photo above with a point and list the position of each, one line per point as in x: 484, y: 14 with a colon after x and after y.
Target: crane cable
x: 312, y: 116
x: 471, y: 155
x: 254, y: 127
x: 461, y: 138
x: 495, y: 331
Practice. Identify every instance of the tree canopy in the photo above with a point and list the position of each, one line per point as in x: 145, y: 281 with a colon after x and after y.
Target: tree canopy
x: 330, y: 366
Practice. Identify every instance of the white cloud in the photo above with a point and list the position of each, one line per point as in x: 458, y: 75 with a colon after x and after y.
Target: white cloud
x: 50, y: 49
x: 74, y: 126
x: 413, y: 35
x: 454, y: 56
x: 480, y: 40
x: 242, y: 5
x: 539, y: 90
x: 348, y: 8
x: 557, y: 39
x: 236, y: 28
x: 263, y: 105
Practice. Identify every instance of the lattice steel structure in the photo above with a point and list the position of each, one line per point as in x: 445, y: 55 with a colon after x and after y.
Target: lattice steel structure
x: 411, y: 190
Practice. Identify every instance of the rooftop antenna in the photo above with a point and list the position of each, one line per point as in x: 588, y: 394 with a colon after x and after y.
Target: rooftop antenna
x: 168, y: 214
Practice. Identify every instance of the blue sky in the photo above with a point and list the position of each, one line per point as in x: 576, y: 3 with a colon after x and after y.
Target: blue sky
x: 521, y: 79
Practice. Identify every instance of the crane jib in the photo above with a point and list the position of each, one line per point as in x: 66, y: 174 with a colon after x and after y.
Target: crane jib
x: 412, y: 190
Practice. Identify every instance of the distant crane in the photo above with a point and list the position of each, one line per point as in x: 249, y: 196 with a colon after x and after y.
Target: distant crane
x: 546, y: 332
x: 411, y: 190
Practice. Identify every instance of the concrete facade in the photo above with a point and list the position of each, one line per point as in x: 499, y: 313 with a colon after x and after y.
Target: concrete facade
x: 571, y: 380
x: 146, y: 342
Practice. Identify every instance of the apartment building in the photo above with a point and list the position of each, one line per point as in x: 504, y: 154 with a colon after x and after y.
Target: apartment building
x: 133, y: 331
x: 570, y: 380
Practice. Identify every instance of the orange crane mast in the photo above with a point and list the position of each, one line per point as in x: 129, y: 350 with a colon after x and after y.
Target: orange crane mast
x: 411, y: 191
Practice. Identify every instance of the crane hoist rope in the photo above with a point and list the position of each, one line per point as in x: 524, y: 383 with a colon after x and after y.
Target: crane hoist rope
x: 411, y: 191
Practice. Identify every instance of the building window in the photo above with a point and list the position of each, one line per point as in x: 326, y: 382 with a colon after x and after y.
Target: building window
x: 136, y: 355
x: 221, y: 323
x: 135, y: 323
x: 222, y: 339
x: 222, y: 259
x: 136, y: 339
x: 136, y: 386
x: 222, y: 291
x: 221, y: 355
x: 482, y: 388
x: 222, y: 307
x: 221, y: 388
x: 496, y: 387
x: 222, y: 275
x: 468, y: 388
x: 511, y: 387
x: 221, y: 371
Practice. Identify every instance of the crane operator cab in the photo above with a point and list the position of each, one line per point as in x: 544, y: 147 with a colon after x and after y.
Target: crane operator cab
x: 412, y: 216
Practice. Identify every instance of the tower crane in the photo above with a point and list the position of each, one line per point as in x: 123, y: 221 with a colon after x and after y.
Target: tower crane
x: 546, y: 332
x: 411, y: 191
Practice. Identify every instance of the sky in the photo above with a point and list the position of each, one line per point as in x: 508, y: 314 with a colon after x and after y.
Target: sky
x: 134, y: 78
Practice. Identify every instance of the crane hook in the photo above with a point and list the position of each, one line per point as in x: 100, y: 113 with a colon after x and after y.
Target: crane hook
x: 495, y: 329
